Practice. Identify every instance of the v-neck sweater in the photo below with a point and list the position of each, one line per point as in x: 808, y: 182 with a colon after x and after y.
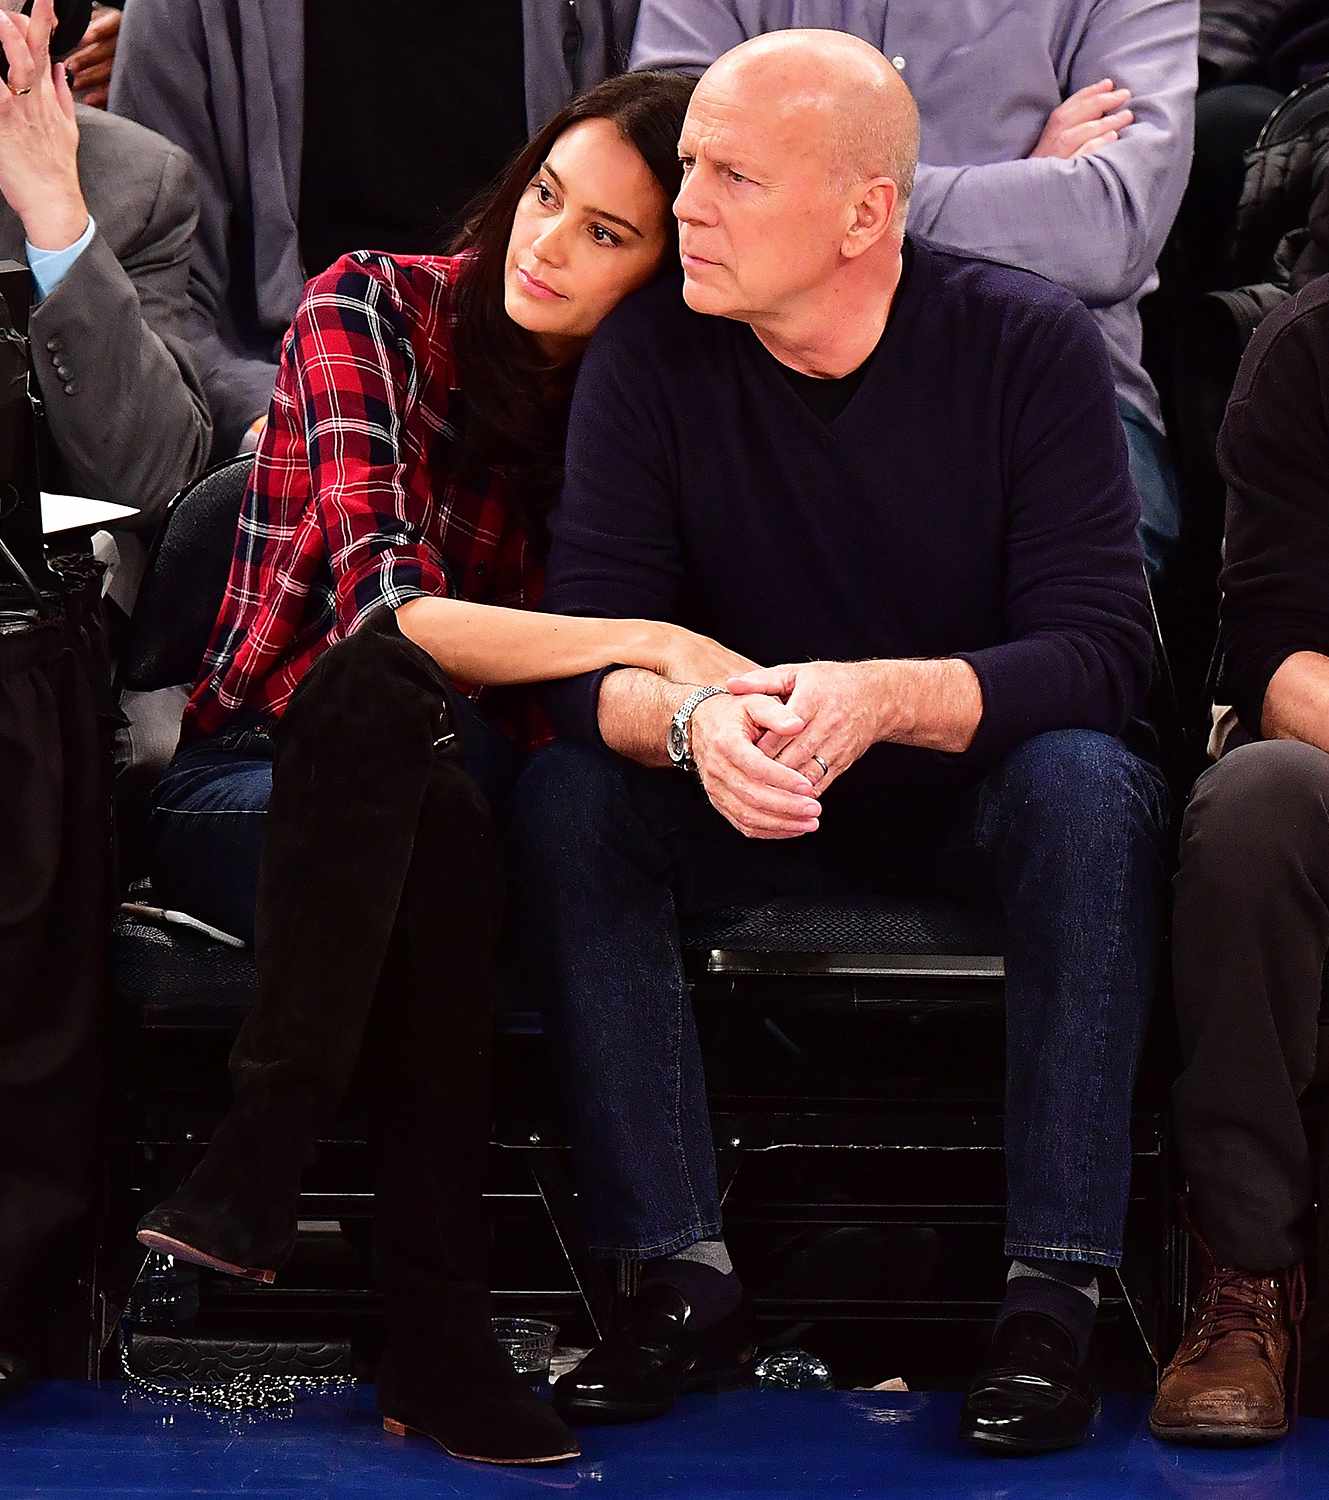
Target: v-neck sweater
x: 825, y: 397
x: 972, y: 500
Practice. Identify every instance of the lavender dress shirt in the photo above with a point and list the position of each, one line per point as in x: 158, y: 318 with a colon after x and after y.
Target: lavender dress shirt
x: 986, y: 75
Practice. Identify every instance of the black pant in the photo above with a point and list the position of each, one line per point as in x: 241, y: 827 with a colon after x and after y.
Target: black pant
x: 55, y: 901
x: 1250, y: 935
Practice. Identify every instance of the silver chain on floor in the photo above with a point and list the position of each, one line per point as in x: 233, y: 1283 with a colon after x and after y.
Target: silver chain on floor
x: 246, y: 1392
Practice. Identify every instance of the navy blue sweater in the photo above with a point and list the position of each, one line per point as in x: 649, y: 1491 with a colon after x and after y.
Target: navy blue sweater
x: 972, y: 500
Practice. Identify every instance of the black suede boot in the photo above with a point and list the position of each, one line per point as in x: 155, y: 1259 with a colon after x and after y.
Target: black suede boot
x: 444, y: 1375
x: 354, y: 753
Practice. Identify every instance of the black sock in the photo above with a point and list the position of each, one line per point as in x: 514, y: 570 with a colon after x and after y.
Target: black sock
x: 1065, y: 1291
x: 713, y: 1294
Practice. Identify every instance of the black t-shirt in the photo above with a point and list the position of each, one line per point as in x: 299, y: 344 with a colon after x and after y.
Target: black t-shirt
x: 409, y: 111
x: 826, y: 399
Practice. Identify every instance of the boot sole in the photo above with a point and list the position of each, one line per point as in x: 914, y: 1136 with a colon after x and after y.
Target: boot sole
x: 153, y: 1240
x: 400, y: 1429
x: 1212, y: 1435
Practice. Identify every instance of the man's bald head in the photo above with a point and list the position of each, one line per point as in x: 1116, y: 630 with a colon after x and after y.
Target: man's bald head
x: 798, y: 155
x: 839, y: 92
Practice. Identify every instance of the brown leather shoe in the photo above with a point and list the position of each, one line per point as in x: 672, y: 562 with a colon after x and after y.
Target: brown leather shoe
x: 1227, y: 1382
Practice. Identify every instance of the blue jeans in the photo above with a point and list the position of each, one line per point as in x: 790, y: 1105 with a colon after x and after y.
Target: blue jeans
x: 210, y: 806
x: 1155, y: 478
x: 1069, y: 831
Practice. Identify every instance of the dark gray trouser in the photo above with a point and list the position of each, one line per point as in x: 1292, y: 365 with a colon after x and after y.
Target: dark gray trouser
x: 1250, y: 935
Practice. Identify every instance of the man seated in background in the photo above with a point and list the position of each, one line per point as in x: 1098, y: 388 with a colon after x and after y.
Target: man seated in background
x: 102, y: 211
x: 901, y: 470
x: 324, y: 128
x: 1054, y: 137
x: 1251, y: 926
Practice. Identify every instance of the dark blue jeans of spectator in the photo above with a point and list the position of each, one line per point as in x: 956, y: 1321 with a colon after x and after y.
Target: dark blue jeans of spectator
x: 1155, y: 477
x: 1068, y: 831
x: 210, y: 807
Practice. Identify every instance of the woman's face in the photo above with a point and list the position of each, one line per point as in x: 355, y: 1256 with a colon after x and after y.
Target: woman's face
x: 589, y: 229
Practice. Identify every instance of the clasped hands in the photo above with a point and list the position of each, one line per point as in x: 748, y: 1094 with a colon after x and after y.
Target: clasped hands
x: 768, y: 749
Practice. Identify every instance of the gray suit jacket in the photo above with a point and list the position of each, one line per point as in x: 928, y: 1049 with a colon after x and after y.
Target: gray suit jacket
x: 225, y: 80
x: 109, y: 348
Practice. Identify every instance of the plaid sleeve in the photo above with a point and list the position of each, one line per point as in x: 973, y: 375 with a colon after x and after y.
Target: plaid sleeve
x: 358, y: 383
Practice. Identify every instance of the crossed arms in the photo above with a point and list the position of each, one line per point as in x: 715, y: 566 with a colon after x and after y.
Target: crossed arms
x: 1093, y: 219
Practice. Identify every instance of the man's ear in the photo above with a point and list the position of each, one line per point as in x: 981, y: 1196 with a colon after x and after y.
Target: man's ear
x: 874, y: 216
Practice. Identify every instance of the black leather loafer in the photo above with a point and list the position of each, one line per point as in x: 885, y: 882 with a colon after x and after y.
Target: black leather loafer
x: 653, y: 1356
x: 13, y: 1375
x: 1031, y: 1396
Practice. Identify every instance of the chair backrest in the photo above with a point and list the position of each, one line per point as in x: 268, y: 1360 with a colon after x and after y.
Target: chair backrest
x: 178, y: 603
x: 1302, y: 110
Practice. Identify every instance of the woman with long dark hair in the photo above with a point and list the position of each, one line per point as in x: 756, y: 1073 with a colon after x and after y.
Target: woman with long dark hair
x: 357, y: 727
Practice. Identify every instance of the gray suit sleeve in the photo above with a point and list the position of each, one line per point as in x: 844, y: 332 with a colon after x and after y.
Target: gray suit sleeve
x: 161, y: 80
x: 127, y: 415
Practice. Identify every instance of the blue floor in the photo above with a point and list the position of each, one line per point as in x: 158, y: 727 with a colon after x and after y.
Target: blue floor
x: 66, y: 1439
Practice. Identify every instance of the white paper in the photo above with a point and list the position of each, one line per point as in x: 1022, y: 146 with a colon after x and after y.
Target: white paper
x: 73, y: 512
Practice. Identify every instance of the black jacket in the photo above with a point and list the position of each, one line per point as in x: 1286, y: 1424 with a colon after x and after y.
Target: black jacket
x: 1274, y: 455
x: 1282, y: 43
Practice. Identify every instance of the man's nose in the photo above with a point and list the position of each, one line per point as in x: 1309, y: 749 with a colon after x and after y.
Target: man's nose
x: 693, y: 204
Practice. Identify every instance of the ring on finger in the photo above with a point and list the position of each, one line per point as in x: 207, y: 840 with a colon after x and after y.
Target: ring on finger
x: 825, y: 769
x: 17, y: 93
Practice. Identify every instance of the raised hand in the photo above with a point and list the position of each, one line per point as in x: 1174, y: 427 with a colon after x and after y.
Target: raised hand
x: 39, y: 134
x: 1093, y: 117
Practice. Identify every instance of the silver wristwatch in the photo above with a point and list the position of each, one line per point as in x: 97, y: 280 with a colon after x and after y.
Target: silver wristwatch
x: 679, y: 743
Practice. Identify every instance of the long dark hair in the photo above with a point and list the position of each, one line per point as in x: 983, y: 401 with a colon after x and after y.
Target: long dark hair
x: 515, y: 399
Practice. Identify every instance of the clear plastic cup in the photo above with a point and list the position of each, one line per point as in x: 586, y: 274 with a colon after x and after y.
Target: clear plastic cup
x: 530, y: 1345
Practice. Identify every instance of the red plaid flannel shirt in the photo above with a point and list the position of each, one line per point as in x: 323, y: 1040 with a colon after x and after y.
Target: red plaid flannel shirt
x: 353, y: 503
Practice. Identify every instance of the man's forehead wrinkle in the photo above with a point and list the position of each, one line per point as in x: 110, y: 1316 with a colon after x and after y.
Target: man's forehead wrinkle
x: 724, y: 123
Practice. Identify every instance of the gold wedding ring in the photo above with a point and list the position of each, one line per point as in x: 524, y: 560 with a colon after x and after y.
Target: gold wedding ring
x: 17, y: 93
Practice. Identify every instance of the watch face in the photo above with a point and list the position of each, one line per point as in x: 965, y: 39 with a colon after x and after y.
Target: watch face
x: 676, y: 743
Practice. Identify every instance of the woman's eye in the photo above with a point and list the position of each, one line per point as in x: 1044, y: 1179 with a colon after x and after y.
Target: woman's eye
x: 544, y: 192
x: 603, y: 236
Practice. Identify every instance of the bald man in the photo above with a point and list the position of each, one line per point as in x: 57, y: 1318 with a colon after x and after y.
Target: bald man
x: 896, y: 474
x: 1056, y: 136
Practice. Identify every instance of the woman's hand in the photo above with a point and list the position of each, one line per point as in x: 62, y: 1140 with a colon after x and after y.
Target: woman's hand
x: 689, y: 657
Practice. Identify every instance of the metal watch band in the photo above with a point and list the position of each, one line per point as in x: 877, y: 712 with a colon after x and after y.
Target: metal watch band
x: 682, y: 725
